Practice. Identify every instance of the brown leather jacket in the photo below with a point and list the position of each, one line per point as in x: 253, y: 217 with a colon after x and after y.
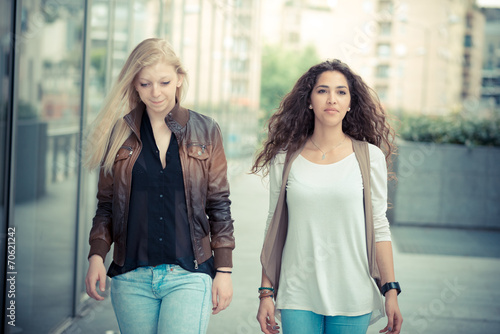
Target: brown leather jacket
x: 204, y: 168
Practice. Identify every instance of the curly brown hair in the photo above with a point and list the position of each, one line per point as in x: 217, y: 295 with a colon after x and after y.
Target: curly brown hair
x: 293, y: 123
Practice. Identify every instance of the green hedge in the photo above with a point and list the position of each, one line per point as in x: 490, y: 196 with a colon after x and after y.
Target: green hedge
x: 452, y: 129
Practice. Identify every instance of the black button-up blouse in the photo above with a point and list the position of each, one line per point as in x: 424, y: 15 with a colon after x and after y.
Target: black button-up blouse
x: 158, y: 229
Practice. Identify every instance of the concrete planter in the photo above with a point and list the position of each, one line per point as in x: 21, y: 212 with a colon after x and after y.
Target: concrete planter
x: 446, y: 185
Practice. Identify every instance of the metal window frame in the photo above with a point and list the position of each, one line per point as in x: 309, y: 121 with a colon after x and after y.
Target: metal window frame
x: 8, y: 177
x: 81, y: 178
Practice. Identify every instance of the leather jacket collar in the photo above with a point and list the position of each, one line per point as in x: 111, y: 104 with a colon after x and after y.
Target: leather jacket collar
x: 176, y: 119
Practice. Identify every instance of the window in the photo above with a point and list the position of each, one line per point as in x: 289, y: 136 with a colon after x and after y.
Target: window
x: 382, y: 92
x: 239, y: 65
x: 469, y: 20
x: 468, y: 41
x: 467, y: 61
x: 385, y: 28
x: 382, y: 71
x: 46, y: 168
x: 242, y: 3
x: 245, y: 22
x: 241, y: 45
x: 385, y: 6
x: 384, y: 50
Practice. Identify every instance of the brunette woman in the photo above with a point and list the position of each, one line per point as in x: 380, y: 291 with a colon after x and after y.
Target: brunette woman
x: 327, y: 255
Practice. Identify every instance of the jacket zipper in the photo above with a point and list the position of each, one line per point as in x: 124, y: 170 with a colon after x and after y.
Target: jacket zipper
x: 191, y: 228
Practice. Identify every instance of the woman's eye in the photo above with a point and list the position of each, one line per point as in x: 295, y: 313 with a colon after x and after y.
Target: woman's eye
x: 144, y: 84
x: 166, y: 82
x: 321, y: 91
x: 342, y: 92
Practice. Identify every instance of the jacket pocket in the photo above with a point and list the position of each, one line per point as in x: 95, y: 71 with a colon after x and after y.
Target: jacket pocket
x: 124, y: 152
x: 197, y: 151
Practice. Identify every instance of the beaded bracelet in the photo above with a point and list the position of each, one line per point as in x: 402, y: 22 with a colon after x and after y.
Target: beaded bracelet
x: 263, y: 288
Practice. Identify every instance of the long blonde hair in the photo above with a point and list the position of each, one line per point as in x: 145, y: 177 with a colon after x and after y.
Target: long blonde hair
x: 109, y: 131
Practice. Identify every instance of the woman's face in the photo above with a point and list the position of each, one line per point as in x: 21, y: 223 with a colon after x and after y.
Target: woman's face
x: 330, y: 98
x: 157, y: 85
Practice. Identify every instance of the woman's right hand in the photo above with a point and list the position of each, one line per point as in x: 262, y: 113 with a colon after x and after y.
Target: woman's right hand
x: 96, y: 273
x: 265, y: 316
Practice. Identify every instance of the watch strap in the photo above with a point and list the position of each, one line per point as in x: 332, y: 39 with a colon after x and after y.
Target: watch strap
x: 389, y: 286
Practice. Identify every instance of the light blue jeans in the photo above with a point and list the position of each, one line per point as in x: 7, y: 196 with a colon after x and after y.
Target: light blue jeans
x: 300, y: 322
x: 162, y: 299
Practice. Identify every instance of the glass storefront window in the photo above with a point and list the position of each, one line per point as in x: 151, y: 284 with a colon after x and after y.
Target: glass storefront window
x: 48, y: 80
x: 60, y: 54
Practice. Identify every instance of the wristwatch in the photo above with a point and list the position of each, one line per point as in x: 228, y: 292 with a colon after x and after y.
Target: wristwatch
x: 389, y: 286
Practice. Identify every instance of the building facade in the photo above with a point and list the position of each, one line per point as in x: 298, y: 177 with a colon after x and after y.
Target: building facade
x: 221, y: 40
x: 491, y: 58
x: 58, y: 58
x: 420, y: 56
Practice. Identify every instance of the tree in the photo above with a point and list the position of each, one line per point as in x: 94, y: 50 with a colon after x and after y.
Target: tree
x: 280, y: 70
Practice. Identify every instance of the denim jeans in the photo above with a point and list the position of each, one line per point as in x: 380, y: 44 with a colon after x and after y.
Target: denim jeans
x: 162, y: 299
x: 300, y: 322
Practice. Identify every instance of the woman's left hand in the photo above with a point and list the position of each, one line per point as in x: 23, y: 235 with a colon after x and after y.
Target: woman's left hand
x: 222, y: 291
x: 394, y: 317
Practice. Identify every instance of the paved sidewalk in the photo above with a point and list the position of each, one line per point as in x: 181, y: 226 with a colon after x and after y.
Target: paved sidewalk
x: 441, y: 293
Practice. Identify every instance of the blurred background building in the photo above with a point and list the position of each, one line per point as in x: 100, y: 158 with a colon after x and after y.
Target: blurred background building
x: 491, y: 57
x: 392, y: 44
x: 58, y: 58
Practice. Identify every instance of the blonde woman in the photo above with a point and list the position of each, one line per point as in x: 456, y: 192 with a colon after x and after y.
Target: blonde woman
x: 163, y: 201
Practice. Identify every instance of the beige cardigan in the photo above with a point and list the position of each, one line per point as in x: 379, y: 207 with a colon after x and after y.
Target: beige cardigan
x: 276, y: 233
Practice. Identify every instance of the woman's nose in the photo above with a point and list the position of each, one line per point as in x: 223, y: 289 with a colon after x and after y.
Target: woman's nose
x: 155, y: 91
x: 331, y: 99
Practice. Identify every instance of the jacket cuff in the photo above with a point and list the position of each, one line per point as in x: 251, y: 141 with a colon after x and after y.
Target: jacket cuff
x: 223, y: 257
x: 99, y: 247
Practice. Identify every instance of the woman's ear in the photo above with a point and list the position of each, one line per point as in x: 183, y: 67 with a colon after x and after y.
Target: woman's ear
x: 180, y: 80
